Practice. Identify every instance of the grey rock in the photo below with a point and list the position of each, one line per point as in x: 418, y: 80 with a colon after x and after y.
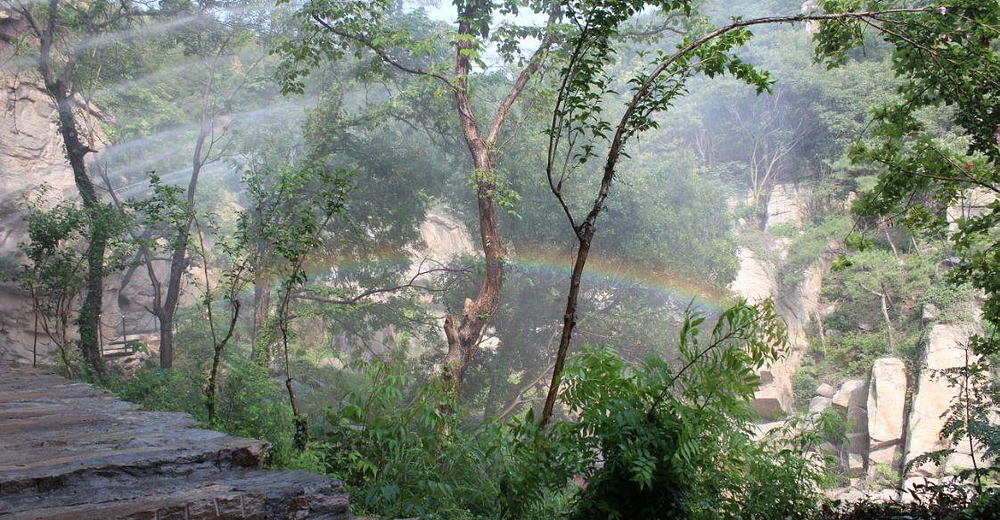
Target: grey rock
x: 825, y: 390
x: 67, y: 450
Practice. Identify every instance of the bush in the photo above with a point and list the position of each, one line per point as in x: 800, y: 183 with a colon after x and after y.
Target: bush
x: 649, y: 441
x: 250, y: 404
x: 166, y: 390
x: 948, y: 502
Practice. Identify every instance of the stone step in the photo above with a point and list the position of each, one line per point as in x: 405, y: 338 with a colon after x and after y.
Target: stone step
x: 234, y: 494
x: 69, y: 450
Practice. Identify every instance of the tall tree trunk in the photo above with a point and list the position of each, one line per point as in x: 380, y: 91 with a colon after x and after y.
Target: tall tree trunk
x: 178, y: 258
x: 89, y: 320
x: 569, y: 320
x: 178, y: 265
x: 464, y: 337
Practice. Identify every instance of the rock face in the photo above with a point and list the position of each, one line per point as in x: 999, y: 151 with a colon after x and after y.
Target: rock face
x: 68, y: 451
x: 786, y: 204
x: 31, y: 155
x: 886, y: 408
x: 444, y: 237
x: 946, y: 348
x: 755, y: 281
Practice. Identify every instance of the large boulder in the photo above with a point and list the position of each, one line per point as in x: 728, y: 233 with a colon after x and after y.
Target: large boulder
x: 819, y: 404
x: 946, y: 348
x: 886, y: 411
x: 853, y: 392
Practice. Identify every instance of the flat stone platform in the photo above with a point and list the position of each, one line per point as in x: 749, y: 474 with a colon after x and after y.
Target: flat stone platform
x: 71, y: 451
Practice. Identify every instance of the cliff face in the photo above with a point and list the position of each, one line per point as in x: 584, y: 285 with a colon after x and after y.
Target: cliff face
x: 32, y: 155
x: 893, y: 412
x: 757, y: 280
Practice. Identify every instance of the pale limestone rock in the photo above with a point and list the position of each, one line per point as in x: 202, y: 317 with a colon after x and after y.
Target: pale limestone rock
x: 928, y: 313
x: 819, y: 404
x: 850, y: 495
x: 444, y: 237
x: 31, y: 155
x: 763, y: 430
x: 886, y: 495
x: 825, y: 390
x: 754, y: 281
x: 934, y: 395
x: 857, y: 419
x: 785, y: 205
x: 857, y: 443
x: 853, y: 392
x: 886, y: 408
x: 973, y: 203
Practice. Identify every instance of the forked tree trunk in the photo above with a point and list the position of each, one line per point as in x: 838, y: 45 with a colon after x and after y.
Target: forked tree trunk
x: 464, y: 336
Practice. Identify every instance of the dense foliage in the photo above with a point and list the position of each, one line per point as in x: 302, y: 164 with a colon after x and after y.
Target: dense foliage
x: 300, y: 186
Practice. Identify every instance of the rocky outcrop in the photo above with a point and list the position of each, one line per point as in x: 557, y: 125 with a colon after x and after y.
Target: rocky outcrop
x: 886, y: 412
x: 444, y: 237
x: 755, y: 281
x: 69, y: 451
x: 786, y: 205
x: 934, y: 394
x: 877, y: 424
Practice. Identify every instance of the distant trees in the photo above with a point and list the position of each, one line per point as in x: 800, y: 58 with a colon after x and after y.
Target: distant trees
x: 770, y: 131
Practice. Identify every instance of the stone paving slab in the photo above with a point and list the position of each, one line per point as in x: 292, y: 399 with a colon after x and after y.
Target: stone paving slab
x: 70, y: 451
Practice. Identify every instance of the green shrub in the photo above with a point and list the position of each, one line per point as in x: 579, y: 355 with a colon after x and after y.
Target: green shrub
x: 250, y: 403
x: 164, y: 390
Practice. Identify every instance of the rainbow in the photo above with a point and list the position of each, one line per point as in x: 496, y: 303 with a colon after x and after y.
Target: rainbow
x: 547, y: 263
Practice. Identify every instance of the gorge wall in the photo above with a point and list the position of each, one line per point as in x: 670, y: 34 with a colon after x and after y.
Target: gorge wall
x: 893, y: 413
